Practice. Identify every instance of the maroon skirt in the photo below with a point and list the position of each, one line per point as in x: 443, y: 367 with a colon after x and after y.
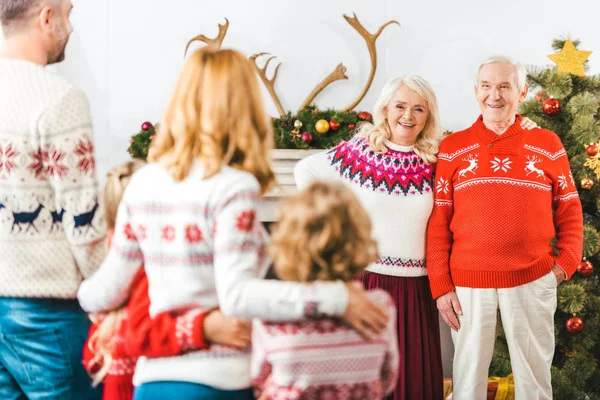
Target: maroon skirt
x: 421, y: 375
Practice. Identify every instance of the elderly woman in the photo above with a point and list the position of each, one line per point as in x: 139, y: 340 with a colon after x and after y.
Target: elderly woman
x: 390, y: 166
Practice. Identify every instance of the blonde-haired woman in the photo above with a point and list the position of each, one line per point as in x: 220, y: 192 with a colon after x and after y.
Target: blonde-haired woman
x: 389, y: 165
x: 190, y: 215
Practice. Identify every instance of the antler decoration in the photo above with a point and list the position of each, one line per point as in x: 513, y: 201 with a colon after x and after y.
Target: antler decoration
x: 269, y: 84
x: 218, y: 41
x: 370, y: 39
x: 338, y: 74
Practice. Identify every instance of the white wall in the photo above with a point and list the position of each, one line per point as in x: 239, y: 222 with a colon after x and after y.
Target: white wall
x: 126, y: 53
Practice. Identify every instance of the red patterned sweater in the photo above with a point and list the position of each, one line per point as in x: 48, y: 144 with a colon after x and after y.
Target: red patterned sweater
x: 324, y: 359
x: 139, y: 335
x: 499, y: 201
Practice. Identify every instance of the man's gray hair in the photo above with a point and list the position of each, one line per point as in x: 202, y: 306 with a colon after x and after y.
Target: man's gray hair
x: 13, y: 12
x: 521, y: 70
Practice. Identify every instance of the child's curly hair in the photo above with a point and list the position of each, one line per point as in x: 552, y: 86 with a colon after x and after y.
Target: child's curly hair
x: 322, y: 233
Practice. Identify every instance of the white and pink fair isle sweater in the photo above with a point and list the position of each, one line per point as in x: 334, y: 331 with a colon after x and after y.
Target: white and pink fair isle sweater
x: 202, y: 246
x: 325, y: 359
x: 396, y: 190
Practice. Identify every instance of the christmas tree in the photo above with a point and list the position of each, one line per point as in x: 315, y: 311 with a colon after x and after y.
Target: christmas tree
x: 567, y: 103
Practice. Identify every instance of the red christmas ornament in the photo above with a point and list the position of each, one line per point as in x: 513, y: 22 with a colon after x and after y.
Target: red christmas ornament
x: 591, y: 150
x: 574, y: 325
x: 333, y: 125
x: 585, y: 269
x: 146, y: 125
x: 306, y: 137
x: 351, y: 126
x: 551, y: 106
x: 364, y: 115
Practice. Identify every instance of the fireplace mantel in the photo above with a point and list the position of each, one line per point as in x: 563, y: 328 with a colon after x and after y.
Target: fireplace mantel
x: 283, y: 162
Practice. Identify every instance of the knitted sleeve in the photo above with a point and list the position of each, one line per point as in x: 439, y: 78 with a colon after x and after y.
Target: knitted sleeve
x: 239, y: 247
x: 313, y: 167
x: 261, y: 367
x: 568, y: 216
x: 109, y: 287
x: 164, y: 335
x: 439, y: 236
x: 66, y: 157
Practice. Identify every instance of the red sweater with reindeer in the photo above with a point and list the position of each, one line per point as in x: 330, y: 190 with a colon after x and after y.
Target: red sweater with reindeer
x: 499, y: 201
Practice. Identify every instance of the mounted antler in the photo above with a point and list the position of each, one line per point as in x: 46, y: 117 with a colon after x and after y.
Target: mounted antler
x: 370, y: 39
x: 338, y: 74
x: 218, y: 41
x: 269, y: 84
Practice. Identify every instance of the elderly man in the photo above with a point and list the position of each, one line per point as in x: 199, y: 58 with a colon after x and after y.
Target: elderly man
x: 502, y: 193
x: 51, y: 232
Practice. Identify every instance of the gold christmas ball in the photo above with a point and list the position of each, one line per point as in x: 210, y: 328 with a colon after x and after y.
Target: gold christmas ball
x: 322, y: 126
x: 297, y: 124
x: 587, y: 183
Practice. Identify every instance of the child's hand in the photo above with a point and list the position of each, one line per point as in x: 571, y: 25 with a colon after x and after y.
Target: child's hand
x: 362, y: 313
x: 227, y: 331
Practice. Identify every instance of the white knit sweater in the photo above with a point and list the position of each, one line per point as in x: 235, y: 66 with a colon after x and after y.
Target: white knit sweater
x: 396, y: 190
x: 51, y: 230
x: 201, y: 245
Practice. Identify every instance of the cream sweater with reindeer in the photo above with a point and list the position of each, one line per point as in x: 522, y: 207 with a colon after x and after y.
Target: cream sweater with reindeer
x: 51, y: 230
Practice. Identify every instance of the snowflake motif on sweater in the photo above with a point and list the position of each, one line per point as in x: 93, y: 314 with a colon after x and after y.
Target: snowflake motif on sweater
x: 7, y: 158
x: 395, y: 172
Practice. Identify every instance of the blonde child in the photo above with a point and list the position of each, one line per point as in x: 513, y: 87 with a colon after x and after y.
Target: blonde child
x: 323, y: 234
x: 191, y: 216
x: 118, y: 338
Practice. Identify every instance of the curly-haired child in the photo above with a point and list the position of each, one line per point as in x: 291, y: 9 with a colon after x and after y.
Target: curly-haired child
x: 323, y: 234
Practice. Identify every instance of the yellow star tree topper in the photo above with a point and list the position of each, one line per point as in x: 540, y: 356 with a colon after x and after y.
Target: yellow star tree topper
x: 570, y: 60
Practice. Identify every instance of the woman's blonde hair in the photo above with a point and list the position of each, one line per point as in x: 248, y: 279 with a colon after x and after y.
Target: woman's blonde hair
x: 322, y: 233
x: 216, y: 115
x: 101, y: 342
x: 428, y: 141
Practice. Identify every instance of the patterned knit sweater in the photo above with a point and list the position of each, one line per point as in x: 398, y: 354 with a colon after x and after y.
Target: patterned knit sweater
x: 395, y: 188
x: 201, y: 245
x: 51, y: 230
x: 499, y: 201
x: 324, y: 359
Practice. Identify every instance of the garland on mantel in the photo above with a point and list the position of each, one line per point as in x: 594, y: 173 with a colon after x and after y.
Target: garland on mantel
x: 310, y: 128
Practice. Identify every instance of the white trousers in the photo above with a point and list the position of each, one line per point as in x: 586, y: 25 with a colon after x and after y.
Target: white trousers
x: 527, y: 314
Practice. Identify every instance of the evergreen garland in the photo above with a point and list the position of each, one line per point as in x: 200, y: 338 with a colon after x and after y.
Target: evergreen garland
x: 286, y: 135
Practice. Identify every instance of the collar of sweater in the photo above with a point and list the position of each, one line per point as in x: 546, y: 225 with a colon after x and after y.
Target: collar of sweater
x: 393, y: 146
x: 506, y: 143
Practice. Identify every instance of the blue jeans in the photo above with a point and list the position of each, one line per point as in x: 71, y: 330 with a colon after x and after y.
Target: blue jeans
x: 187, y: 391
x: 41, y: 343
